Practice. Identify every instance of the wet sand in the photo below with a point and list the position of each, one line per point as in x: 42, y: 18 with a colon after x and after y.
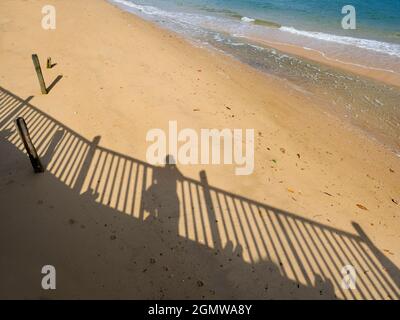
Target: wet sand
x: 385, y: 76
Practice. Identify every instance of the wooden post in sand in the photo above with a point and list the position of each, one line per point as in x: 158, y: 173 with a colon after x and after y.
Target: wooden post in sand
x: 29, y: 147
x: 38, y: 69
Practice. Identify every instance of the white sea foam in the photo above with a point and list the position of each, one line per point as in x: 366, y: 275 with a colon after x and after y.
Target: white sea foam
x: 194, y: 20
x: 150, y: 10
x: 246, y: 19
x: 183, y: 19
x: 391, y: 49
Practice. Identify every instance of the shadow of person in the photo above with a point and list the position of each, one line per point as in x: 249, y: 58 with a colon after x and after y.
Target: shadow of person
x: 161, y: 200
x: 10, y: 158
x: 324, y: 287
x: 6, y: 134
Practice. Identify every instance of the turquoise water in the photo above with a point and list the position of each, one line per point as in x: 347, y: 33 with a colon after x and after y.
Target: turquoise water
x: 377, y: 20
x: 242, y: 28
x: 311, y: 24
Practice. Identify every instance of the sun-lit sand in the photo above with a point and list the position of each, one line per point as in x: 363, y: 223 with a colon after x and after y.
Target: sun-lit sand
x: 322, y: 195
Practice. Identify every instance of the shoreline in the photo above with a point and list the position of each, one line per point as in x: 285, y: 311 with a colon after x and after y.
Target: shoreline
x: 123, y: 76
x: 374, y: 127
x: 386, y: 76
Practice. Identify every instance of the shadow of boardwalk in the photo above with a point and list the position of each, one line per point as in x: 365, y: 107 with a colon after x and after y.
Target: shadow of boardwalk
x: 117, y: 227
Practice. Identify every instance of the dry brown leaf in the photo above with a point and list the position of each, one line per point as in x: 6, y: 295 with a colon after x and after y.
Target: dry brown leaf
x: 361, y: 207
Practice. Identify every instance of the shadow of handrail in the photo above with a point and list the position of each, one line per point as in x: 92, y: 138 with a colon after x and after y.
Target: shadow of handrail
x: 303, y: 250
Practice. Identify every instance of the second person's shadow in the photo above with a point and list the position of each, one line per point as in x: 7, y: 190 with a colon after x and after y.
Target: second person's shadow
x: 161, y: 200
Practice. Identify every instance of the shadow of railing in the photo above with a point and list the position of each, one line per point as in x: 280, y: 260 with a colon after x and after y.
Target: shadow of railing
x: 303, y: 251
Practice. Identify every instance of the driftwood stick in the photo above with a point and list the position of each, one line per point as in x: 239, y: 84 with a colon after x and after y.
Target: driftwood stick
x: 39, y: 73
x: 29, y: 147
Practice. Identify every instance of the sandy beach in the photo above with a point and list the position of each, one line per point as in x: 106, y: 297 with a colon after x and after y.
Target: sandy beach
x: 322, y: 194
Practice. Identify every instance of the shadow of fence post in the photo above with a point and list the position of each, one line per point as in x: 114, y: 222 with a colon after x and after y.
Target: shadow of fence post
x: 86, y: 164
x: 389, y: 267
x: 210, y: 210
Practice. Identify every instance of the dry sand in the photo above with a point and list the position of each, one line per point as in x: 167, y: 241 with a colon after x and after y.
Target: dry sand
x: 322, y: 195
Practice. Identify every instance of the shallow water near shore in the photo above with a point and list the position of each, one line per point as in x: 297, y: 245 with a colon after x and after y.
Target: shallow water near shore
x: 370, y: 105
x: 308, y: 24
